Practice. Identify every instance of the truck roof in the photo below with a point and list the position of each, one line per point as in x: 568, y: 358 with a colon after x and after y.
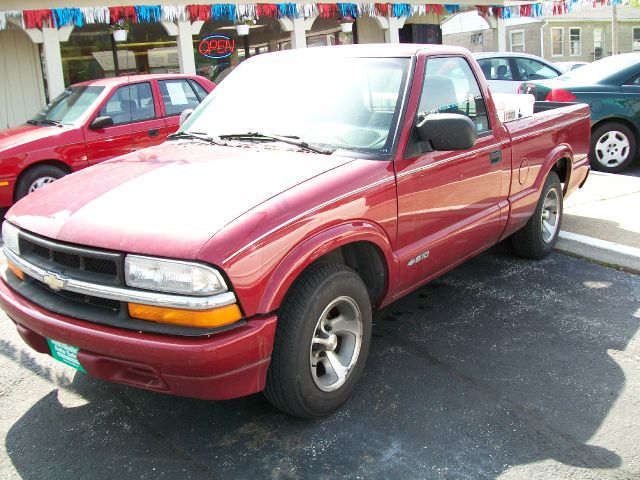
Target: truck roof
x: 388, y: 50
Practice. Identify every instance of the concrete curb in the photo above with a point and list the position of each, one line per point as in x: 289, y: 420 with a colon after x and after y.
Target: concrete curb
x: 600, y: 251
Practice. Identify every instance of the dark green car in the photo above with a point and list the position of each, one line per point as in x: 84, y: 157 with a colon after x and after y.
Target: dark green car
x: 611, y: 87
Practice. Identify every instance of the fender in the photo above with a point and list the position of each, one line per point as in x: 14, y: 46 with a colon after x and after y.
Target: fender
x: 523, y: 204
x: 559, y: 152
x: 312, y: 248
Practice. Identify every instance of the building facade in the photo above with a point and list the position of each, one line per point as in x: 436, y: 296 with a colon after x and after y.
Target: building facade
x: 470, y: 30
x: 583, y: 35
x: 587, y: 35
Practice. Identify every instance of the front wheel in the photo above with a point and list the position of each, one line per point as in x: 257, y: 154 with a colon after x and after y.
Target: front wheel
x: 613, y: 147
x: 322, y: 342
x: 35, y: 178
x: 538, y: 237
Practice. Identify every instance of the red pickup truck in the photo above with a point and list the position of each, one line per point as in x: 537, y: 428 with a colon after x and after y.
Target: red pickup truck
x: 247, y: 252
x: 91, y: 122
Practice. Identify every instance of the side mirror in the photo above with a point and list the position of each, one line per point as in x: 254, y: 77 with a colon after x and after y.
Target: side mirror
x: 185, y: 114
x: 447, y: 131
x: 101, y: 122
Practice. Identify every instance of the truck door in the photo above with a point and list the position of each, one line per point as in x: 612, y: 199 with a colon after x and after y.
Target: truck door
x: 448, y: 201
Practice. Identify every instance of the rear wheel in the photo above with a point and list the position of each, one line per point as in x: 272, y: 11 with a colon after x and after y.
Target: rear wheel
x: 538, y: 237
x: 613, y: 147
x: 35, y: 178
x: 322, y: 342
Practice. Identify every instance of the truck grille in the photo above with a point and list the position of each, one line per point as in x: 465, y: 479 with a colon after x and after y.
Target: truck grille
x: 62, y: 258
x: 94, y: 266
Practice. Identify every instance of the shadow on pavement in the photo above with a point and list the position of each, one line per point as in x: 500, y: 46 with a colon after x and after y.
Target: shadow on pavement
x: 501, y: 362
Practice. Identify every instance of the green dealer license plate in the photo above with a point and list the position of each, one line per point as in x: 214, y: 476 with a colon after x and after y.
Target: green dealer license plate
x: 65, y: 353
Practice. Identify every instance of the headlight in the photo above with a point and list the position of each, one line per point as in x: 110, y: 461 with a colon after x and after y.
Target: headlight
x: 10, y: 237
x: 172, y: 276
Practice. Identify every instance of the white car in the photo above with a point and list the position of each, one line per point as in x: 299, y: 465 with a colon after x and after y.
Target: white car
x: 505, y: 71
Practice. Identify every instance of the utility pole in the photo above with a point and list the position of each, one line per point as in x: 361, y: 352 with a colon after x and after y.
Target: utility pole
x: 614, y: 29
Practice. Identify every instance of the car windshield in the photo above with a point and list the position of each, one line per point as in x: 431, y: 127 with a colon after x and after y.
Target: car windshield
x: 69, y: 106
x: 602, y: 69
x: 344, y: 103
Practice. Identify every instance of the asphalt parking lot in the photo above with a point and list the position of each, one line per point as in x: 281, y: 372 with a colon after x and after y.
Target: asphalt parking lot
x: 503, y: 368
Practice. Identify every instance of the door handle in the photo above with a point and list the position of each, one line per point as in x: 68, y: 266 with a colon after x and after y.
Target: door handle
x: 495, y: 157
x: 154, y: 132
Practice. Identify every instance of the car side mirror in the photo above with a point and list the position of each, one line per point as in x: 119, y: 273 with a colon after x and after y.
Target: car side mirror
x: 101, y: 122
x: 447, y: 131
x: 185, y: 114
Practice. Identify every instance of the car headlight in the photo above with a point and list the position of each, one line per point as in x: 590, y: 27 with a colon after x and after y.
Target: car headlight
x: 172, y: 276
x: 10, y: 237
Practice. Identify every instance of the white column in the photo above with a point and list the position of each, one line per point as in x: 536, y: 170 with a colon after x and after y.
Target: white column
x: 184, y: 32
x: 501, y: 31
x: 499, y: 27
x: 390, y: 26
x: 50, y: 39
x: 298, y: 28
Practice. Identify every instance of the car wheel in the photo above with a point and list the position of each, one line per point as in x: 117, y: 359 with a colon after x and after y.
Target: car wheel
x: 35, y: 178
x: 321, y: 343
x: 613, y: 147
x: 538, y: 237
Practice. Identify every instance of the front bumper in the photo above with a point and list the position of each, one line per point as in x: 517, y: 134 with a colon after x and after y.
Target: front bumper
x: 222, y: 366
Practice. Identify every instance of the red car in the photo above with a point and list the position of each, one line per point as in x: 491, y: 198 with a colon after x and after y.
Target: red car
x: 91, y: 122
x: 247, y: 252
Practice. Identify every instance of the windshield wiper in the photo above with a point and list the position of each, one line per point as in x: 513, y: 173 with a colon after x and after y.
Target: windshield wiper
x: 290, y: 139
x: 197, y: 135
x: 45, y: 121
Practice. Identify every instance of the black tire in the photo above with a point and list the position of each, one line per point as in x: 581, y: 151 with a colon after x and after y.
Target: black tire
x: 31, y: 175
x: 290, y: 385
x: 530, y: 241
x: 600, y: 145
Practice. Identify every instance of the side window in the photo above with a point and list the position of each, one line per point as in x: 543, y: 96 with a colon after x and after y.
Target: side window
x: 450, y: 87
x: 177, y: 96
x: 131, y: 103
x: 534, y: 70
x: 496, y: 68
x: 200, y: 91
x: 635, y: 81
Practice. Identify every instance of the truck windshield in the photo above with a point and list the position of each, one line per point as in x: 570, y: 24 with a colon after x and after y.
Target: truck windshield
x: 69, y: 106
x: 344, y: 103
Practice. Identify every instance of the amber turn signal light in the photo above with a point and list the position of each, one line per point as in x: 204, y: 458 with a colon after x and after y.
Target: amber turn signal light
x: 217, y: 317
x: 16, y: 271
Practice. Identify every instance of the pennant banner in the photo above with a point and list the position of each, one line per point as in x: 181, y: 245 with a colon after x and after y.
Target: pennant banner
x: 78, y: 17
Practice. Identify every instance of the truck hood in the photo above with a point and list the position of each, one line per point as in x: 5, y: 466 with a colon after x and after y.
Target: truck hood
x: 21, y: 137
x: 166, y: 200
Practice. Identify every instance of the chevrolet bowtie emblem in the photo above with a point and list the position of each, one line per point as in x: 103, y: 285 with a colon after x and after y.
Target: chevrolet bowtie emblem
x: 54, y: 281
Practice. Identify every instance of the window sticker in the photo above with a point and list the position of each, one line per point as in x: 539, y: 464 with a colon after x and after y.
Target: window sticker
x: 176, y: 93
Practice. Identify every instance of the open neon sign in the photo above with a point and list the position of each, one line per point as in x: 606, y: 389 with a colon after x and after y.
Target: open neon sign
x: 217, y: 46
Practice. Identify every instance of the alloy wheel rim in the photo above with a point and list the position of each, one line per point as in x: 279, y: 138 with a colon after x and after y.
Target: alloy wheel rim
x: 40, y: 182
x: 550, y: 217
x: 336, y: 343
x: 612, y: 148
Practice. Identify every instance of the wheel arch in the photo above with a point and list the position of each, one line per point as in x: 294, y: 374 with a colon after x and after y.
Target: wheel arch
x: 362, y: 246
x: 560, y: 160
x: 621, y: 120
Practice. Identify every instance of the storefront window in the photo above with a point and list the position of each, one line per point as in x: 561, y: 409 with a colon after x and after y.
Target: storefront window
x: 89, y: 53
